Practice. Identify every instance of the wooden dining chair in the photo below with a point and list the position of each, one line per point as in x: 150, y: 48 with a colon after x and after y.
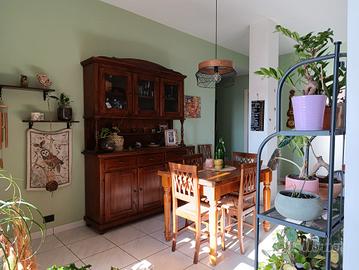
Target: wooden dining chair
x: 242, y: 157
x: 205, y: 150
x: 185, y: 187
x: 235, y: 208
x: 196, y: 159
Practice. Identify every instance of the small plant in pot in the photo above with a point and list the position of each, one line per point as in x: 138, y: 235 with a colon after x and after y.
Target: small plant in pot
x: 105, y: 143
x: 298, y: 201
x: 294, y: 250
x: 298, y: 145
x: 64, y: 110
x: 317, y: 84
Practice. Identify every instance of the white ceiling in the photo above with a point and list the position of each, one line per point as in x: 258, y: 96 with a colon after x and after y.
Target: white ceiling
x: 196, y: 17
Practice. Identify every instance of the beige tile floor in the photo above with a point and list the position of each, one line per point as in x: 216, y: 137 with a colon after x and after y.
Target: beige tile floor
x: 141, y: 241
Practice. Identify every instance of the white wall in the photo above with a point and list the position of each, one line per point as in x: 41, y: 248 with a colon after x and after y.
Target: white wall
x: 263, y: 52
x: 351, y: 232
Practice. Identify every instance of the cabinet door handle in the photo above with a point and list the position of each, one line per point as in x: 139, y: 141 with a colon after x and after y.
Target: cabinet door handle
x: 141, y: 189
x: 135, y: 190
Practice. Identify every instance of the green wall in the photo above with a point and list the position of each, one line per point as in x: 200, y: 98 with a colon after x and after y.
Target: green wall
x: 54, y: 36
x: 230, y: 114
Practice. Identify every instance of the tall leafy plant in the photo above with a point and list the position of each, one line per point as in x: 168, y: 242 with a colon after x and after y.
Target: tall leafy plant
x: 17, y: 219
x: 314, y: 77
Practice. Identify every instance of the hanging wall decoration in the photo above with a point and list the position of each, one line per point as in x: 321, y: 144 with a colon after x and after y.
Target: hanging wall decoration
x: 192, y: 107
x: 49, y: 159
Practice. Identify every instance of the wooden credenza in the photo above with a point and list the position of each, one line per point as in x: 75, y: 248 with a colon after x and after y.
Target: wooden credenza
x: 137, y: 97
x: 124, y: 186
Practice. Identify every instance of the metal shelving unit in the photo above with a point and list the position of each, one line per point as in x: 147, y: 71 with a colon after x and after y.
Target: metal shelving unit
x: 322, y: 227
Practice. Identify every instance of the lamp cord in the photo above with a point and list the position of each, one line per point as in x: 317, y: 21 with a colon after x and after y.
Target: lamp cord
x: 216, y: 30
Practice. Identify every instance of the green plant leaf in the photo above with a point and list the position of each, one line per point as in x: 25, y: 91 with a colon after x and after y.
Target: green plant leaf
x: 291, y: 234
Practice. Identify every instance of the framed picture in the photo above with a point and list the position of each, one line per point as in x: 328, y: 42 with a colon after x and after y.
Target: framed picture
x: 49, y: 158
x: 192, y: 107
x: 171, y: 137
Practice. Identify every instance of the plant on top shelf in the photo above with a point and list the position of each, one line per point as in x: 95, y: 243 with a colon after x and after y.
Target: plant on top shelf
x: 64, y: 110
x: 294, y: 250
x: 299, y: 200
x: 18, y: 218
x: 316, y: 81
x: 104, y: 142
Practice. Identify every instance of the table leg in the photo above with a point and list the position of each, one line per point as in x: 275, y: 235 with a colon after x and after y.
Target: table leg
x: 267, y: 198
x: 213, y: 230
x: 167, y: 212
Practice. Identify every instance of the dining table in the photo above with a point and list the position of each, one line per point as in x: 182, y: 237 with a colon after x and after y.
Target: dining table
x: 214, y: 184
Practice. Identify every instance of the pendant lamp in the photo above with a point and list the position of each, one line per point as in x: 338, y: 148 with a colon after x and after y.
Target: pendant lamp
x: 211, y: 72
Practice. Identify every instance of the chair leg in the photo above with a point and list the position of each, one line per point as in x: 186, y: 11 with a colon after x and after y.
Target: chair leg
x: 223, y: 226
x: 254, y: 220
x: 198, y: 242
x: 229, y: 221
x: 240, y: 233
x: 175, y: 231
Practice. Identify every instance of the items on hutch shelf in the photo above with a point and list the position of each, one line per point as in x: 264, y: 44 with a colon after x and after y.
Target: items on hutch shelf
x: 142, y: 99
x: 171, y: 137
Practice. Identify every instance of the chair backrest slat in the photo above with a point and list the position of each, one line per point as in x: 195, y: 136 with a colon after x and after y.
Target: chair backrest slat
x: 244, y: 157
x: 248, y: 181
x: 196, y: 159
x: 184, y: 182
x: 205, y: 150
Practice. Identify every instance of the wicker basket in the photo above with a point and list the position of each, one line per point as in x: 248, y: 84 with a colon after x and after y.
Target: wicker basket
x: 118, y: 141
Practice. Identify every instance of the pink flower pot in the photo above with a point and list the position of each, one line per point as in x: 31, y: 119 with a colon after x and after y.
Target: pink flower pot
x: 292, y: 183
x: 309, y: 112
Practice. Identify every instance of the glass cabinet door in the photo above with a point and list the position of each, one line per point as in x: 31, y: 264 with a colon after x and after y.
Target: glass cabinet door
x: 172, y: 96
x: 116, y: 92
x: 146, y: 95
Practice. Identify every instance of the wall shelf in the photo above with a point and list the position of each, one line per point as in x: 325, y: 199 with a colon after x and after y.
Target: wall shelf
x: 68, y: 123
x: 45, y: 91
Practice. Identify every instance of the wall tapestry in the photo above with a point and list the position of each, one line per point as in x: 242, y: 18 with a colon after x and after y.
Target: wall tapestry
x: 192, y: 107
x: 49, y: 159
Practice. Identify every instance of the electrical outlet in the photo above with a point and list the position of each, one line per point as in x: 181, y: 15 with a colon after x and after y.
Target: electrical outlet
x: 49, y: 218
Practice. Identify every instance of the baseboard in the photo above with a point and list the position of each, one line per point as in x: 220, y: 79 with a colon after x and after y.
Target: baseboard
x: 58, y: 229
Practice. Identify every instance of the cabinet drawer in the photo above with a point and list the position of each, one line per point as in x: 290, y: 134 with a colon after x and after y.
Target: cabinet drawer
x: 175, y: 155
x: 118, y: 163
x: 151, y: 159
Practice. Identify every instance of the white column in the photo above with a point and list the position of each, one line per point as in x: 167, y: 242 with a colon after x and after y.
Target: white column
x: 351, y: 223
x: 263, y: 52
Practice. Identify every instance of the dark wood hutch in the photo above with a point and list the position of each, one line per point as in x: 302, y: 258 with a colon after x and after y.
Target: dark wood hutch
x: 136, y: 96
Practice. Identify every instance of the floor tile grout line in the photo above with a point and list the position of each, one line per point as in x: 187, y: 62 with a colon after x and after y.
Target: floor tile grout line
x: 125, y: 250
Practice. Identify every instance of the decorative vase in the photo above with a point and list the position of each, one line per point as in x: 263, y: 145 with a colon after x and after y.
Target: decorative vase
x: 328, y: 115
x: 306, y: 208
x: 117, y: 140
x: 64, y: 113
x: 309, y: 111
x: 293, y: 183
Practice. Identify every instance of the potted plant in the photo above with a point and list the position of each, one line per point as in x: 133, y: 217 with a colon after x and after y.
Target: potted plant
x: 116, y: 139
x: 105, y: 143
x: 64, y: 110
x: 299, y: 200
x: 70, y: 267
x: 302, y: 181
x: 317, y: 85
x: 18, y: 218
x: 294, y: 250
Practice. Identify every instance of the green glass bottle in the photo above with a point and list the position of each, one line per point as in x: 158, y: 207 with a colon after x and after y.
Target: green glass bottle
x: 220, y: 150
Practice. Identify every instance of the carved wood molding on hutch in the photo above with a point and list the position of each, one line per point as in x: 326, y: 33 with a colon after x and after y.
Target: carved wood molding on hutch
x: 136, y: 96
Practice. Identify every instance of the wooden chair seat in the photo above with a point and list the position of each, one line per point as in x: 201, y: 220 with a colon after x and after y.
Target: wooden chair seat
x: 230, y: 202
x: 188, y: 211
